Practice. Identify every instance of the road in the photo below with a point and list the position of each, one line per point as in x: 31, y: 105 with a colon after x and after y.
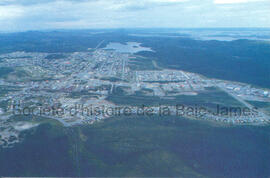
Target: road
x: 245, y: 103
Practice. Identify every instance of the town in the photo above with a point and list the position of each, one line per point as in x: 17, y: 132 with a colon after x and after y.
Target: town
x: 42, y: 80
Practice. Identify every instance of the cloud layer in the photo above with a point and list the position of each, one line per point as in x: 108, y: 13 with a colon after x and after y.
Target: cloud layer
x: 21, y: 15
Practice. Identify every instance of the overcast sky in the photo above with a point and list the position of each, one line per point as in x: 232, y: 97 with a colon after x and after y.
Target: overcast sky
x: 22, y: 15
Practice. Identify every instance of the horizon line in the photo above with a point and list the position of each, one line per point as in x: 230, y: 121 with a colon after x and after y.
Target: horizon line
x: 132, y: 28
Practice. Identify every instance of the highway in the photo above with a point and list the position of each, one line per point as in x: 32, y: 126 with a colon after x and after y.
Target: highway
x: 245, y: 103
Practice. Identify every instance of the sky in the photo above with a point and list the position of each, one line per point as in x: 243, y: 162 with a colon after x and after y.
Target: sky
x: 24, y: 15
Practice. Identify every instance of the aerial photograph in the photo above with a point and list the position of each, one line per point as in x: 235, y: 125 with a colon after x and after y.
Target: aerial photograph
x: 135, y: 88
